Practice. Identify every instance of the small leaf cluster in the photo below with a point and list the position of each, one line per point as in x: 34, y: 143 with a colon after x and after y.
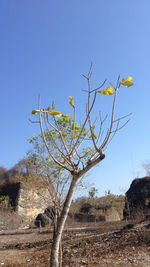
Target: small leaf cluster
x: 109, y: 91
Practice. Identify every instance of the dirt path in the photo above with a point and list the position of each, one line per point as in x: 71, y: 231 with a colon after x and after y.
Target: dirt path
x: 120, y: 248
x: 139, y: 257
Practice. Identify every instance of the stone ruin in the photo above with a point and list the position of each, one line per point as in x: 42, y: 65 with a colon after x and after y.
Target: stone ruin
x: 26, y: 198
x: 137, y: 201
x: 88, y: 213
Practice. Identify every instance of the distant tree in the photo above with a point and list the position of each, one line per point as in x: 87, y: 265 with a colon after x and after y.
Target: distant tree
x: 92, y: 193
x: 27, y: 165
x: 80, y: 200
x: 39, y: 159
x: 70, y: 153
x: 107, y: 192
x: 146, y: 166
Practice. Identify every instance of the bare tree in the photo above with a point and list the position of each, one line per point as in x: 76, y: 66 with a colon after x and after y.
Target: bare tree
x: 146, y: 166
x: 73, y: 156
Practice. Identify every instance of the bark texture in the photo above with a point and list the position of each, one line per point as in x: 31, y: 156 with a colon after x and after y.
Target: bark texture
x: 54, y: 260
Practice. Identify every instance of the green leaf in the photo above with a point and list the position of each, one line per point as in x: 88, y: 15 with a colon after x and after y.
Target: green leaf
x: 64, y: 133
x: 76, y: 135
x: 35, y: 111
x: 47, y: 159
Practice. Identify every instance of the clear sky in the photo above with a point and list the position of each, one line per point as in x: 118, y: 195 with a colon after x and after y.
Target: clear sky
x: 45, y: 46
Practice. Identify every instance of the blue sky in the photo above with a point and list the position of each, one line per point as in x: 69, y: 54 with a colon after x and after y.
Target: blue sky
x: 45, y: 47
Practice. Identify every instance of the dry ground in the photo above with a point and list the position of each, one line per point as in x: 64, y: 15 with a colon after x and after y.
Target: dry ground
x: 108, y: 244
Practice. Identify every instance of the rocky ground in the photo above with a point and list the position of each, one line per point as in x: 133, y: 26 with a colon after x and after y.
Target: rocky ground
x: 104, y: 244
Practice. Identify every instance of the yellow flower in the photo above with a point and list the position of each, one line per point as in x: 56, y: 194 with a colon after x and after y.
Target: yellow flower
x: 55, y: 113
x: 76, y: 135
x: 71, y: 101
x: 127, y: 82
x: 94, y: 135
x: 66, y: 115
x: 108, y: 91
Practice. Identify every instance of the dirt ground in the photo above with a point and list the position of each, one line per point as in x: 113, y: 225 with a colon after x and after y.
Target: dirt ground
x: 102, y: 244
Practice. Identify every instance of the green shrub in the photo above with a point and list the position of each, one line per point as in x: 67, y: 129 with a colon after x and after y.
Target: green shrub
x: 4, y: 201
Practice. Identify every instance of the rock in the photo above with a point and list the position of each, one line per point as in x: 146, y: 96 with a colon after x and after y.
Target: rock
x: 112, y: 215
x: 32, y: 201
x: 137, y: 202
x: 85, y: 208
x: 44, y: 219
x: 26, y: 198
x: 128, y: 226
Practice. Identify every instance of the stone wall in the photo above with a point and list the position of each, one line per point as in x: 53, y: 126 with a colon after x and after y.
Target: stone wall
x: 26, y: 198
x: 31, y: 202
x: 112, y: 214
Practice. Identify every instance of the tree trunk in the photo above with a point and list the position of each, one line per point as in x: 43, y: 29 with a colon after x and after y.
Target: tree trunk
x: 54, y: 260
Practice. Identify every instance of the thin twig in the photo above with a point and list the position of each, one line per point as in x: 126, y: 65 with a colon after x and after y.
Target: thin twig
x: 121, y: 118
x: 33, y: 121
x: 51, y: 155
